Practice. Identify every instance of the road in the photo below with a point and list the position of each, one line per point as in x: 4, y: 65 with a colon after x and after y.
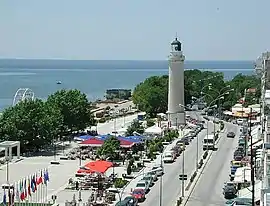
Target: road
x: 208, y: 191
x: 170, y: 181
x: 118, y: 123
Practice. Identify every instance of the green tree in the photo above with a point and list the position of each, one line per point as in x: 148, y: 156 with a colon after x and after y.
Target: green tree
x: 74, y: 108
x: 135, y: 126
x: 110, y: 147
x: 150, y: 122
x: 151, y: 95
x: 30, y: 122
x: 239, y: 84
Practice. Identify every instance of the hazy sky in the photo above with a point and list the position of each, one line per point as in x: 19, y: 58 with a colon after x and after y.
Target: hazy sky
x: 134, y: 29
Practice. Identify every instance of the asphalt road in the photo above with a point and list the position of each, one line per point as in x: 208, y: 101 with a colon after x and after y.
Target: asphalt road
x: 208, y: 191
x: 110, y: 126
x: 171, y: 184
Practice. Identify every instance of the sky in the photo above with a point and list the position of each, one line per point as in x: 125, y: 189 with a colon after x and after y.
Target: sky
x: 134, y: 29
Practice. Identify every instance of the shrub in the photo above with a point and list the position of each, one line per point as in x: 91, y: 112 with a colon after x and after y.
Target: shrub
x: 120, y: 183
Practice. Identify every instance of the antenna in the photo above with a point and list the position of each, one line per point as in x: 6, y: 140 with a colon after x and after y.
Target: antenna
x: 175, y: 35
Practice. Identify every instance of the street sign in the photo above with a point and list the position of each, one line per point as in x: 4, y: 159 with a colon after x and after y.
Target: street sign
x: 182, y: 177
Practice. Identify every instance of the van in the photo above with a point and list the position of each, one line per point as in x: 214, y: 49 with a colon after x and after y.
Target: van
x: 209, y: 142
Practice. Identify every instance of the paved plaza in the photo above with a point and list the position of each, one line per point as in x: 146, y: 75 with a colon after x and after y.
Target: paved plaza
x: 58, y: 174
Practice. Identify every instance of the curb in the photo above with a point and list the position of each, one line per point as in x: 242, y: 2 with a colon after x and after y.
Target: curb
x: 192, y: 185
x: 196, y: 180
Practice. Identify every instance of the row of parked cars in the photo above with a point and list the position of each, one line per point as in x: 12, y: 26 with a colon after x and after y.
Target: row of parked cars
x: 148, y: 180
x: 142, y: 187
x: 230, y: 188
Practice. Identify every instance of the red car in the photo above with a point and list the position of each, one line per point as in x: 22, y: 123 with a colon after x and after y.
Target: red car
x: 139, y: 194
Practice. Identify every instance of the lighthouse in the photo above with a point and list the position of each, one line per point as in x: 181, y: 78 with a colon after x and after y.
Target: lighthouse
x: 176, y: 112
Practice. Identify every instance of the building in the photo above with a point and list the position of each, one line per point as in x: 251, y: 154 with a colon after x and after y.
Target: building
x: 176, y: 108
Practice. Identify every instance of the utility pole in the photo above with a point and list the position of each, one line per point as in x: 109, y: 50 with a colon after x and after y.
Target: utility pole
x: 252, y: 162
x: 183, y: 173
x: 161, y: 179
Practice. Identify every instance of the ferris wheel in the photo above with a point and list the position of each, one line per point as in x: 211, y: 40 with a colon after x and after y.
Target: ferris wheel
x: 23, y: 94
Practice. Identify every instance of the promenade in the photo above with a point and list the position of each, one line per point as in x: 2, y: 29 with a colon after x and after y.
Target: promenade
x: 58, y: 174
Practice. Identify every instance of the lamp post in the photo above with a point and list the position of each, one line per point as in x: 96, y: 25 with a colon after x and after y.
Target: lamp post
x: 220, y: 96
x: 210, y: 105
x: 219, y: 93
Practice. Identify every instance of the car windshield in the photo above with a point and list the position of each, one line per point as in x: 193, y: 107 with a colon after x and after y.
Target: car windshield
x: 168, y: 155
x: 137, y: 192
x: 140, y: 185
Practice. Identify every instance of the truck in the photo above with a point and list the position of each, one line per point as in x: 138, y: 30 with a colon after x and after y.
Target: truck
x: 209, y: 142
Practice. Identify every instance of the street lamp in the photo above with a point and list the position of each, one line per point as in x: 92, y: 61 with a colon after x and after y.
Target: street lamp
x: 219, y: 93
x: 197, y: 141
x: 210, y: 105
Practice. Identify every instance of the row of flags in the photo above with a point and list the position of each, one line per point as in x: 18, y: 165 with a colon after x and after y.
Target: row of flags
x: 25, y: 187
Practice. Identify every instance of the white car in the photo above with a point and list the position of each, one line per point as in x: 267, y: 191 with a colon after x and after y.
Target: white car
x: 142, y: 184
x: 158, y: 169
x: 168, y: 157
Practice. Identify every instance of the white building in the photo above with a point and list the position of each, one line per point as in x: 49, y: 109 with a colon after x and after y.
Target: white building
x: 176, y: 112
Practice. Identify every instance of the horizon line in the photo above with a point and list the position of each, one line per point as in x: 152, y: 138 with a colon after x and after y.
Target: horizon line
x: 62, y: 59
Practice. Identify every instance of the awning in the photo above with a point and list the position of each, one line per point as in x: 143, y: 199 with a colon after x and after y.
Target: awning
x: 153, y: 130
x: 246, y: 192
x: 83, y: 137
x: 228, y: 113
x: 92, y: 142
x: 99, y: 166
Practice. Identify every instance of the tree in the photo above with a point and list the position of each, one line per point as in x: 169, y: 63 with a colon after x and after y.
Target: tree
x: 30, y: 122
x: 109, y: 147
x: 74, y: 108
x: 151, y: 95
x: 135, y: 126
x: 239, y: 84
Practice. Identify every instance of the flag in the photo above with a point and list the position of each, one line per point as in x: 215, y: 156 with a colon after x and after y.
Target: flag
x: 40, y: 179
x: 9, y: 196
x: 33, y: 183
x: 29, y: 186
x: 12, y: 197
x: 46, y: 176
x: 5, y: 198
x: 25, y: 189
x: 22, y: 195
x: 18, y: 191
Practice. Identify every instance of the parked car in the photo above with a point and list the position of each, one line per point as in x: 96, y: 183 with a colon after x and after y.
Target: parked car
x: 168, y: 157
x: 128, y: 201
x: 154, y: 175
x: 159, y: 170
x: 149, y: 179
x: 142, y: 184
x: 139, y: 194
x: 238, y: 157
x: 229, y: 190
x: 231, y: 134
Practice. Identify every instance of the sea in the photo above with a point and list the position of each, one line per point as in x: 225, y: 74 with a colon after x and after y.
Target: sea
x: 93, y: 77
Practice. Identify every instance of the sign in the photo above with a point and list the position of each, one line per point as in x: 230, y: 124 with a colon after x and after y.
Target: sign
x: 182, y: 177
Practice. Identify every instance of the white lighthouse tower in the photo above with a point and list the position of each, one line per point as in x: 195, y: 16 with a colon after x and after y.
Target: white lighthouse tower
x: 176, y: 112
